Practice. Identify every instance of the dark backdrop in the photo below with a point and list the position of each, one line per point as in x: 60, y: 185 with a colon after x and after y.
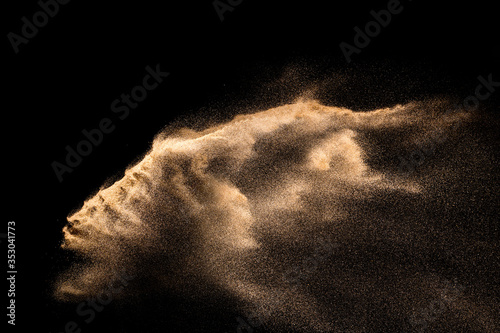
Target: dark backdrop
x: 65, y: 78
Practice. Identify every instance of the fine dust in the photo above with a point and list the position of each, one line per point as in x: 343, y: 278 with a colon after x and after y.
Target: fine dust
x: 299, y: 213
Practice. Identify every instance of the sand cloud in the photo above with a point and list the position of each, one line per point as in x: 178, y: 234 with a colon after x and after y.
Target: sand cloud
x: 231, y: 208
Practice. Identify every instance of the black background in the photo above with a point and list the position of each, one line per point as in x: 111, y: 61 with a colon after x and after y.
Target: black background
x: 65, y: 78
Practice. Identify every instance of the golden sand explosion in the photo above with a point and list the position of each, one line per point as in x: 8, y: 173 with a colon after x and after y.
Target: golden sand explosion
x: 236, y: 205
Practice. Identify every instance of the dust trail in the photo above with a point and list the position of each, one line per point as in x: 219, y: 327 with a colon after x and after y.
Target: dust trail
x: 229, y: 209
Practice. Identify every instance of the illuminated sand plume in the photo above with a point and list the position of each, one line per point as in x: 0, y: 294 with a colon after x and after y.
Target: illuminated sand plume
x: 231, y: 208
